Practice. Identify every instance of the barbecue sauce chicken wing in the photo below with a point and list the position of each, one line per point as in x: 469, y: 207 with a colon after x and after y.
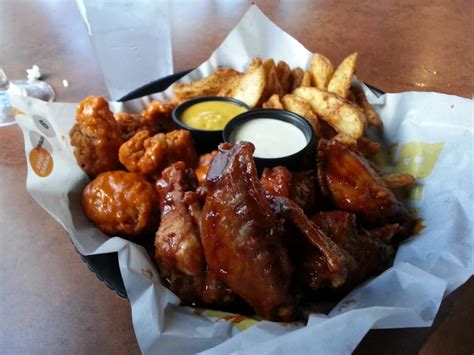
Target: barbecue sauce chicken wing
x: 242, y: 236
x: 352, y: 185
x: 179, y: 253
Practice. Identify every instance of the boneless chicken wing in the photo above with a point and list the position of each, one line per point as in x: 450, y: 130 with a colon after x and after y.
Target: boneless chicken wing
x: 179, y: 253
x: 148, y: 155
x: 242, y: 236
x: 95, y: 136
x: 155, y: 118
x: 352, y: 185
x: 122, y: 203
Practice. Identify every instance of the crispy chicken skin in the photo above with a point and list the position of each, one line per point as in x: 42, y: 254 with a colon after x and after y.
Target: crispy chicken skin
x: 179, y: 252
x: 122, y: 203
x: 299, y: 187
x: 95, y: 136
x: 148, y: 155
x: 242, y: 236
x: 352, y: 185
x: 155, y: 118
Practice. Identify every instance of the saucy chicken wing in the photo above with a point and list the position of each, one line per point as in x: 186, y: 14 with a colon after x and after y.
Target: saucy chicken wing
x: 95, y: 136
x: 328, y: 260
x: 148, y: 155
x: 299, y: 187
x: 352, y: 185
x: 365, y: 255
x: 242, y: 236
x: 122, y: 203
x: 179, y: 252
x: 155, y: 118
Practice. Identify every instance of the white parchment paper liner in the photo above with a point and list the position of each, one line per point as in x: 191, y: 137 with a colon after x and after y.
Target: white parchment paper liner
x: 435, y: 130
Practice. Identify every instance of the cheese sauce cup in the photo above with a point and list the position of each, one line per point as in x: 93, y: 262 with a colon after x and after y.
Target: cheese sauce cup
x: 280, y: 138
x: 205, y: 117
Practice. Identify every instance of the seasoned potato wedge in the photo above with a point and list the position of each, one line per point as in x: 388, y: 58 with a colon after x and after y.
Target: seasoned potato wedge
x: 208, y: 86
x: 296, y: 78
x: 306, y: 80
x: 367, y: 147
x: 361, y: 100
x: 321, y: 71
x: 284, y: 76
x: 343, y: 116
x: 340, y: 82
x: 249, y: 88
x: 398, y: 180
x: 273, y: 102
x: 272, y: 83
x: 301, y: 107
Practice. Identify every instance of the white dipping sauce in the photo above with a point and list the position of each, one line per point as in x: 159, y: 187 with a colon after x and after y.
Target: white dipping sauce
x: 272, y: 138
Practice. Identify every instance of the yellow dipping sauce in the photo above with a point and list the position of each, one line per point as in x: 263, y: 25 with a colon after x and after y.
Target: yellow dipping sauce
x: 210, y: 115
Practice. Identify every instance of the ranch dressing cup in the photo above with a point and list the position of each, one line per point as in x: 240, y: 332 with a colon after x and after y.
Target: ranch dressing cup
x: 280, y: 138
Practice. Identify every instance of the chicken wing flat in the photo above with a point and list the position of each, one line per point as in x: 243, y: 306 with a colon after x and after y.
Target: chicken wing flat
x: 242, y: 236
x: 149, y: 155
x: 179, y: 253
x: 352, y: 185
x: 299, y: 187
x: 122, y: 203
x: 328, y: 262
x: 365, y: 255
x: 95, y: 136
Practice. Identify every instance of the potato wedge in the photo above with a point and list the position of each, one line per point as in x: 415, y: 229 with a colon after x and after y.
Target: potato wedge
x: 321, y: 71
x: 207, y: 86
x: 345, y: 139
x: 249, y: 88
x: 367, y: 147
x: 229, y: 87
x: 306, y: 80
x: 273, y: 102
x: 361, y: 100
x: 284, y: 76
x: 296, y: 78
x: 301, y: 107
x: 340, y: 82
x: 398, y: 180
x: 272, y: 84
x: 343, y: 116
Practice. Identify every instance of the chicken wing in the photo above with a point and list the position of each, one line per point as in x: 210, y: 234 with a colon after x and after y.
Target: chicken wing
x: 179, y: 252
x: 155, y: 118
x: 242, y: 237
x: 352, y: 185
x: 365, y: 255
x: 121, y: 203
x: 95, y: 136
x: 299, y: 187
x: 149, y: 155
x: 328, y: 262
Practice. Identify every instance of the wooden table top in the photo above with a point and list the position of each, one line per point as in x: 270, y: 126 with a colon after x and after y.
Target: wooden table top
x: 50, y: 302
